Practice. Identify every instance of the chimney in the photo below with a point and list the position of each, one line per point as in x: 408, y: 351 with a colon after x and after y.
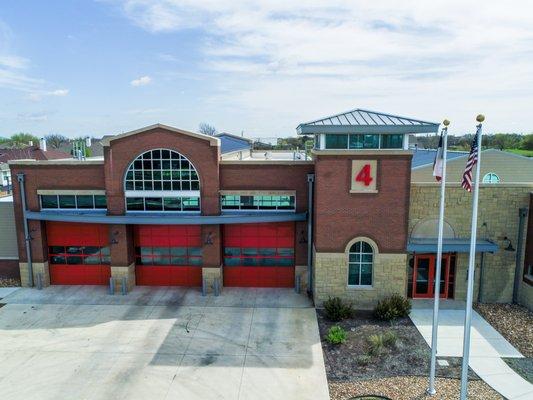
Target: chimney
x: 42, y: 144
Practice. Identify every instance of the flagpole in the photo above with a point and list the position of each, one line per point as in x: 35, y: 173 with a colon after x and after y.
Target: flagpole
x: 431, y: 390
x: 471, y: 267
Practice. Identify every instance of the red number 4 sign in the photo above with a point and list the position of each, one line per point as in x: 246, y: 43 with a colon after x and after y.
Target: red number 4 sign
x: 364, y: 176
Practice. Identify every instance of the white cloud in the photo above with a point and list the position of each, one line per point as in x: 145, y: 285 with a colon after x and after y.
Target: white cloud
x: 40, y: 94
x: 142, y: 81
x: 425, y: 58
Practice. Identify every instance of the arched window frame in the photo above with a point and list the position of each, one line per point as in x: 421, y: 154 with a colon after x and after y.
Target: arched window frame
x: 351, y: 246
x: 170, y: 195
x: 491, y: 177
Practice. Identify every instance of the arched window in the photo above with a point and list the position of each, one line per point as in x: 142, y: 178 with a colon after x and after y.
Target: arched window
x: 491, y: 177
x: 162, y: 180
x: 360, y: 264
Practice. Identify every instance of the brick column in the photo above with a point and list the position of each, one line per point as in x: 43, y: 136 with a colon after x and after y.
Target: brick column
x: 39, y: 255
x: 122, y: 255
x: 211, y: 255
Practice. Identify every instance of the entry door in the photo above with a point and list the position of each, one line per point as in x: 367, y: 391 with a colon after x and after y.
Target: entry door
x: 424, y: 276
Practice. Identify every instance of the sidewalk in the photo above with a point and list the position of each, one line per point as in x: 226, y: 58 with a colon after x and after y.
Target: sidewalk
x: 487, y: 347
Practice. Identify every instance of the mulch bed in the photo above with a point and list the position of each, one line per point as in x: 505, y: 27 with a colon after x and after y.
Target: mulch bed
x: 409, y: 357
x: 514, y: 322
x: 522, y: 366
x: 410, y: 388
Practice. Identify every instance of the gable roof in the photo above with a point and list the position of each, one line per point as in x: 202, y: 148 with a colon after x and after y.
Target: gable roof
x: 230, y: 143
x: 366, y: 121
x: 31, y: 153
x: 106, y: 140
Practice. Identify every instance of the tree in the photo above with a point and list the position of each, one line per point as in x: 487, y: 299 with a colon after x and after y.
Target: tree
x: 527, y: 142
x: 207, y: 129
x: 21, y: 140
x: 55, y: 140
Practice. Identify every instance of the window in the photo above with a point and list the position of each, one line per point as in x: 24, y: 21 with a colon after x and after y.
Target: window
x: 491, y: 177
x: 164, y: 171
x: 78, y: 255
x: 73, y: 202
x: 259, y: 256
x: 179, y: 204
x: 258, y: 202
x: 360, y: 264
x: 153, y: 255
x: 364, y: 141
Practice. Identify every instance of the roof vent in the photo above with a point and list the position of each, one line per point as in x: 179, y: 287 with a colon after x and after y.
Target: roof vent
x: 42, y: 144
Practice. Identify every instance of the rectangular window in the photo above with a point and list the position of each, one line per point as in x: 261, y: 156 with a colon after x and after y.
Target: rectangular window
x: 176, y: 204
x: 336, y: 141
x: 258, y: 257
x: 78, y: 255
x: 73, y: 202
x: 161, y: 255
x: 391, y: 141
x: 267, y: 203
x: 363, y: 141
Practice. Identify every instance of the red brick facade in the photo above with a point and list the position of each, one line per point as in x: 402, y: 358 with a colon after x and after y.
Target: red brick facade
x: 340, y: 215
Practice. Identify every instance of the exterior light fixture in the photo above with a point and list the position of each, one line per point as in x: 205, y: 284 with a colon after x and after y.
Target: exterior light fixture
x: 509, y: 244
x: 209, y: 238
x: 114, y: 239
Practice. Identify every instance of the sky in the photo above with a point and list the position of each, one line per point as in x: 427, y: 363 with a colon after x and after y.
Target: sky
x: 83, y: 67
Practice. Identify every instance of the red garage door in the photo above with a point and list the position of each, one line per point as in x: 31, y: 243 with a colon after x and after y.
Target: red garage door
x: 259, y: 255
x: 168, y: 255
x: 78, y: 253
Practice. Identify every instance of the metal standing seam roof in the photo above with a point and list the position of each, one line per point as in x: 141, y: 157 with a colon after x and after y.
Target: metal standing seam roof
x: 423, y: 157
x: 459, y: 245
x: 365, y: 121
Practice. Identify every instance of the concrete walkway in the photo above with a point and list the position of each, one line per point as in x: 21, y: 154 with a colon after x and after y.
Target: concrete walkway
x: 487, y: 346
x: 159, y: 343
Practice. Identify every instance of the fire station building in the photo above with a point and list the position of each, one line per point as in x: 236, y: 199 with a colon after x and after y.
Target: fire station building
x: 168, y: 207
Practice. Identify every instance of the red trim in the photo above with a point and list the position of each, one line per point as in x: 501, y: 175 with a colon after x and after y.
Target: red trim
x: 259, y: 276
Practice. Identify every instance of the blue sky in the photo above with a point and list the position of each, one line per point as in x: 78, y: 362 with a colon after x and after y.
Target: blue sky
x: 103, y: 67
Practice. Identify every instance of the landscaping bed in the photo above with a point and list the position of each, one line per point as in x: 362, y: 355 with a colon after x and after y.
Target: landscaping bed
x: 409, y: 356
x: 514, y: 322
x: 9, y: 282
x: 387, y: 356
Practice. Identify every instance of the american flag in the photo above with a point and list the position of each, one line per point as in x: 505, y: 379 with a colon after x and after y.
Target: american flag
x: 472, y: 160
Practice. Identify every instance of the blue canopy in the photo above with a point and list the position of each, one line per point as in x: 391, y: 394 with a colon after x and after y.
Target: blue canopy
x: 456, y: 245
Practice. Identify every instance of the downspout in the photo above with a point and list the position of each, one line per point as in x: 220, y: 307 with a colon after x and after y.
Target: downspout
x: 480, y: 291
x: 27, y: 238
x: 310, y: 189
x: 522, y: 214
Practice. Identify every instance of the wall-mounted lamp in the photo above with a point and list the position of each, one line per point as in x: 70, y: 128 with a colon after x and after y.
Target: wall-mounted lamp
x: 114, y: 239
x: 303, y: 238
x: 509, y: 244
x: 209, y: 238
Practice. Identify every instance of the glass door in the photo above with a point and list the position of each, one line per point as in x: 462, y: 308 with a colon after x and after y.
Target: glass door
x: 424, y: 276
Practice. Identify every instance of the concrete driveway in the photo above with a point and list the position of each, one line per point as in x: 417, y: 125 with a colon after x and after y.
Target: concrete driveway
x: 244, y: 344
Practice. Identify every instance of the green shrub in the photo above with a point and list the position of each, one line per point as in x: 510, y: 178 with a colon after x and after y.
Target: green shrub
x: 392, y: 307
x: 376, y: 344
x: 336, y: 335
x: 363, y: 359
x: 390, y: 338
x: 337, y: 310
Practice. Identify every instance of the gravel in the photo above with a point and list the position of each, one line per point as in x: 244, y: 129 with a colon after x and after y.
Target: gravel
x: 514, y: 322
x: 410, y: 388
x: 9, y: 282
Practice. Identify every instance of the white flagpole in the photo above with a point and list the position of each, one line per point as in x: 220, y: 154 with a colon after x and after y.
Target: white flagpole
x: 434, y: 329
x: 471, y: 266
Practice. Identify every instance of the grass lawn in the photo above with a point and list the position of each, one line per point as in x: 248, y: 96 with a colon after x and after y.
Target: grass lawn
x: 527, y: 153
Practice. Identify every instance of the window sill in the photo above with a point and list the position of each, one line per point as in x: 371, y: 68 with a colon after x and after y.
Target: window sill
x: 360, y: 287
x: 528, y: 279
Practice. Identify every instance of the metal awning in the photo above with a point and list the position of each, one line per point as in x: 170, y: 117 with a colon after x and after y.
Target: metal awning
x: 457, y: 245
x: 166, y: 219
x: 365, y: 121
